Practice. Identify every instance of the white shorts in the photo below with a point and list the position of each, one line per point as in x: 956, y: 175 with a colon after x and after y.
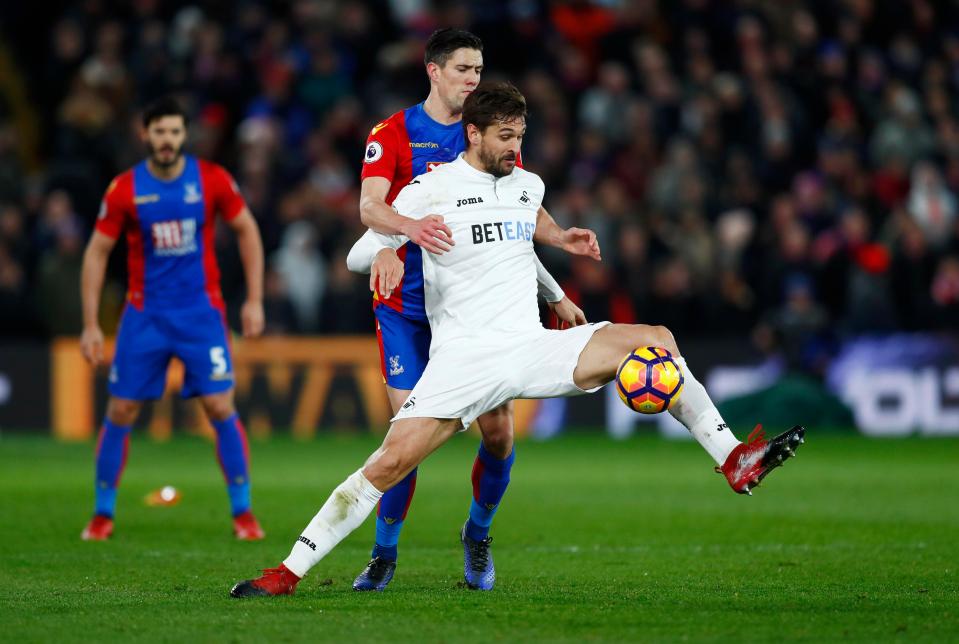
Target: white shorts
x: 466, y: 378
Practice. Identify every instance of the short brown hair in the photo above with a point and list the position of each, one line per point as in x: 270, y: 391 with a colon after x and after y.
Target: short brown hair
x: 164, y: 106
x: 443, y: 42
x: 491, y: 103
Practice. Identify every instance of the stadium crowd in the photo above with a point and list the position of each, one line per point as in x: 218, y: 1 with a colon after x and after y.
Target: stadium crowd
x: 786, y: 169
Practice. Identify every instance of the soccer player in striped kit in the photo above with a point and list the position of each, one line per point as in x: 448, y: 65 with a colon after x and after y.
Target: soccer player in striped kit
x: 166, y: 206
x: 409, y: 143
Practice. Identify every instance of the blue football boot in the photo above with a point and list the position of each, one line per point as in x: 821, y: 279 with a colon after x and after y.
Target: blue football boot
x: 376, y: 575
x: 478, y: 567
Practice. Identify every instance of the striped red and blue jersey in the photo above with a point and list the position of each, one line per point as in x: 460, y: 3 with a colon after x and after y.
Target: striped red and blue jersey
x: 169, y: 227
x: 404, y: 146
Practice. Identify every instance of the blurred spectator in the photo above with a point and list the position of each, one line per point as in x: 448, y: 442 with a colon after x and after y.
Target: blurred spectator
x: 592, y: 287
x: 11, y: 172
x: 945, y: 294
x: 277, y: 308
x: 347, y: 308
x: 902, y: 134
x: 58, y: 280
x: 16, y: 305
x: 798, y: 326
x: 299, y: 263
x: 913, y: 266
x: 931, y: 204
x: 604, y: 107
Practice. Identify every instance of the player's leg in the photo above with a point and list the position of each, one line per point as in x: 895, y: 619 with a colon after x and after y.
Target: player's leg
x: 491, y: 472
x: 605, y: 350
x: 138, y: 373
x: 744, y: 465
x: 390, y: 514
x: 404, y: 346
x: 233, y: 455
x: 409, y: 441
x: 113, y: 445
x: 202, y: 344
x: 390, y: 518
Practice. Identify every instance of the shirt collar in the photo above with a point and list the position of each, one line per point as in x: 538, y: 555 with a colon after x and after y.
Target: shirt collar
x: 466, y: 168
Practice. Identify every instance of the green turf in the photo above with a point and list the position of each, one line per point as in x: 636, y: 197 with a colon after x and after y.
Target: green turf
x: 856, y: 540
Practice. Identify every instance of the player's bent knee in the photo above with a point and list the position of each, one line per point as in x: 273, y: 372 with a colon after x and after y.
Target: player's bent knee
x: 649, y: 335
x: 218, y: 406
x: 387, y: 468
x: 665, y: 339
x: 123, y: 412
x: 497, y: 429
x: 500, y: 445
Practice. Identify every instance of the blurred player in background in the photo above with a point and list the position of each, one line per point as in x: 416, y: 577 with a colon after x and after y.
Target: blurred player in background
x: 167, y: 207
x: 488, y: 343
x: 407, y: 144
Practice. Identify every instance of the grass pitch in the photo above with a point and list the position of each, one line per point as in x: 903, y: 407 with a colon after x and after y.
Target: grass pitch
x: 855, y: 540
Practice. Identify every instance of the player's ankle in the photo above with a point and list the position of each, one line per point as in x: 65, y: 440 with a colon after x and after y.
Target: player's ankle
x: 385, y: 552
x: 475, y: 531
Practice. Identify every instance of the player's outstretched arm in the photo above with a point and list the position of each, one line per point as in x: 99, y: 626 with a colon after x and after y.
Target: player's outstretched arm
x: 251, y: 255
x: 575, y: 241
x: 429, y: 232
x: 95, y: 259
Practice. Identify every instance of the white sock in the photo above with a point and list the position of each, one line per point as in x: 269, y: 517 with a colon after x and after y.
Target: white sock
x: 697, y: 412
x: 348, y: 506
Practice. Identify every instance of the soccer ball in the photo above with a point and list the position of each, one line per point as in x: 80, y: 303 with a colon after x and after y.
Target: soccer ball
x: 649, y: 380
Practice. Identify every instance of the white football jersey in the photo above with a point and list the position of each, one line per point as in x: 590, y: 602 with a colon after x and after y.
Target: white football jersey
x: 487, y: 282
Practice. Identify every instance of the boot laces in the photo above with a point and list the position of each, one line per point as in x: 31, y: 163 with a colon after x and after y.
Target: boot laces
x: 757, y: 436
x: 377, y: 567
x: 270, y: 572
x: 479, y: 551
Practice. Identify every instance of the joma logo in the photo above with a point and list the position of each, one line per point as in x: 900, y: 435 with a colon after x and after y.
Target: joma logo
x: 468, y: 201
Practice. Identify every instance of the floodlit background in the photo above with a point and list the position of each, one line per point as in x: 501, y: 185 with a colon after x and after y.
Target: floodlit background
x: 774, y: 181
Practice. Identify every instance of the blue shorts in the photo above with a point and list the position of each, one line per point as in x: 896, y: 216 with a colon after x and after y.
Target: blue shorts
x: 404, y: 347
x: 148, y: 339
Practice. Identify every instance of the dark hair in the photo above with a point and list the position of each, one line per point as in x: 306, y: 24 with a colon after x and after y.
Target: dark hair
x: 166, y: 106
x: 493, y: 102
x: 444, y: 42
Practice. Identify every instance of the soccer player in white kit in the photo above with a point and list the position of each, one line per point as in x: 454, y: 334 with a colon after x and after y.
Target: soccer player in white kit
x: 488, y: 343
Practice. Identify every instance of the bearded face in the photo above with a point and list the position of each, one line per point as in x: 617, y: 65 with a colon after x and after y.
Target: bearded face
x: 164, y: 138
x: 499, y: 145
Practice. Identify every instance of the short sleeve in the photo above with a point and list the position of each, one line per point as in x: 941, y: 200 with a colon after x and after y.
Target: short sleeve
x: 380, y: 158
x: 226, y: 194
x: 115, y: 207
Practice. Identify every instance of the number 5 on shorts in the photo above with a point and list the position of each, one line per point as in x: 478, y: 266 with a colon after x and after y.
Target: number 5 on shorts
x: 218, y: 359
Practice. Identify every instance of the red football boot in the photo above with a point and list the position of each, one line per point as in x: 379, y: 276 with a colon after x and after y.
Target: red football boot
x: 100, y: 528
x: 274, y: 581
x: 247, y: 528
x: 750, y: 462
